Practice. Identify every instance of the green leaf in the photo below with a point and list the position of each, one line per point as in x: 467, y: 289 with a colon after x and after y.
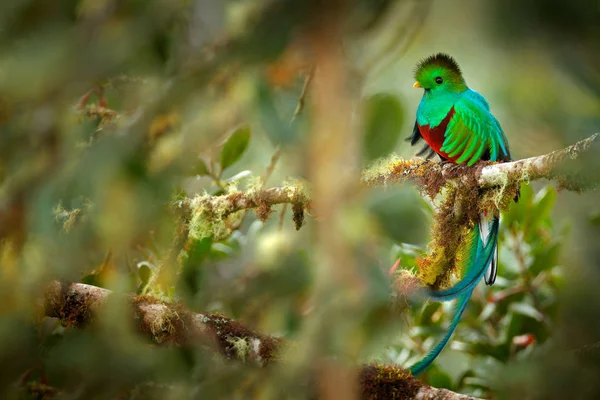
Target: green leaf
x: 430, y: 309
x: 144, y: 272
x: 198, y: 253
x: 528, y: 310
x: 436, y: 377
x: 235, y: 147
x: 383, y: 123
x: 389, y: 206
x: 271, y: 112
x: 201, y: 168
x: 90, y: 279
x: 544, y: 201
x: 545, y: 259
x: 594, y: 218
x: 516, y: 215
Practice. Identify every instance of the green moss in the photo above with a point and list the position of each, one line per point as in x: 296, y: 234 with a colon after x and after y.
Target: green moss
x: 68, y: 217
x: 254, y: 185
x: 379, y: 171
x: 235, y: 339
x: 212, y: 219
x: 169, y: 327
x: 387, y: 382
x: 241, y: 346
x: 458, y: 214
x: 297, y: 191
x: 449, y: 239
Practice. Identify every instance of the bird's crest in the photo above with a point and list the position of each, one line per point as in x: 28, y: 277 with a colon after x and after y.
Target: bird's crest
x: 438, y: 60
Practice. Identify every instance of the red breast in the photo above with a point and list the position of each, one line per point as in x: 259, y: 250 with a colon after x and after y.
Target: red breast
x: 435, y: 136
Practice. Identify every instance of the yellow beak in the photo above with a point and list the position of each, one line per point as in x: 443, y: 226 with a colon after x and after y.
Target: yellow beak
x: 417, y: 85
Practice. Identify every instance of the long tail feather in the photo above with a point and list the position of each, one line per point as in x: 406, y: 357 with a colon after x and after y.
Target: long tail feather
x: 485, y: 225
x: 483, y: 256
x: 426, y: 361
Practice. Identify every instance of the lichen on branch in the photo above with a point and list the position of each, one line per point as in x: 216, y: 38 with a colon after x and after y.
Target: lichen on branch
x: 216, y: 216
x: 77, y: 305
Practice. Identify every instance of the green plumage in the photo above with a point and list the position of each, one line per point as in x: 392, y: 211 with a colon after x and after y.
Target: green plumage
x: 472, y: 132
x: 456, y: 123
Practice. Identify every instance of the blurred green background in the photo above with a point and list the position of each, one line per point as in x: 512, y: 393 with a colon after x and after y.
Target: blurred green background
x: 112, y: 111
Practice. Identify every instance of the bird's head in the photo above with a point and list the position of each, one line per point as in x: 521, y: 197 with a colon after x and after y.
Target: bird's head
x: 439, y: 73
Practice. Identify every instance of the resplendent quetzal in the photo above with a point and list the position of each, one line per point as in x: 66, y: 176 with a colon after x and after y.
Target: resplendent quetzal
x: 456, y: 123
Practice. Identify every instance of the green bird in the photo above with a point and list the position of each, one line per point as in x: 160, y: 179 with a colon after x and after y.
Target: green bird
x: 456, y: 123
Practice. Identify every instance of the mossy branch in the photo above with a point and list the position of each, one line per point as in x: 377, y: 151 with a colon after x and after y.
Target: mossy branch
x: 208, y: 213
x: 77, y: 305
x: 431, y: 176
x: 211, y: 215
x: 550, y: 166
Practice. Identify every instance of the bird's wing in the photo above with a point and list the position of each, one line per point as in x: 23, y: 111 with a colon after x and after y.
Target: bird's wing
x: 473, y: 133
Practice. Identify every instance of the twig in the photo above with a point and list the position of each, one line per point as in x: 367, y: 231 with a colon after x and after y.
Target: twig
x: 401, y: 40
x: 271, y: 167
x: 302, y: 99
x: 282, y: 216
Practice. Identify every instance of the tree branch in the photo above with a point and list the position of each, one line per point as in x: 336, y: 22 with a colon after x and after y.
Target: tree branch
x: 548, y: 166
x: 429, y: 176
x: 77, y: 305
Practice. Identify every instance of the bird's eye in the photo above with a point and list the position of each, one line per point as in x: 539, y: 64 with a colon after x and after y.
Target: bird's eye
x: 439, y: 80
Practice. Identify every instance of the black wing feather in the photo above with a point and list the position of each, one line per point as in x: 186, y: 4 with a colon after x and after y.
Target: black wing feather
x: 416, y: 135
x: 415, y: 138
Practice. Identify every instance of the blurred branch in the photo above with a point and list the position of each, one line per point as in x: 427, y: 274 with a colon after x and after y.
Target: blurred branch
x: 428, y: 392
x: 219, y: 207
x: 406, y: 31
x: 77, y: 305
x: 302, y: 99
x: 589, y: 354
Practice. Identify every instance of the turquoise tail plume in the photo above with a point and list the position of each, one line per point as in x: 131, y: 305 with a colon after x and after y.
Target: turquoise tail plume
x: 485, y: 259
x: 483, y: 254
x: 428, y: 359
